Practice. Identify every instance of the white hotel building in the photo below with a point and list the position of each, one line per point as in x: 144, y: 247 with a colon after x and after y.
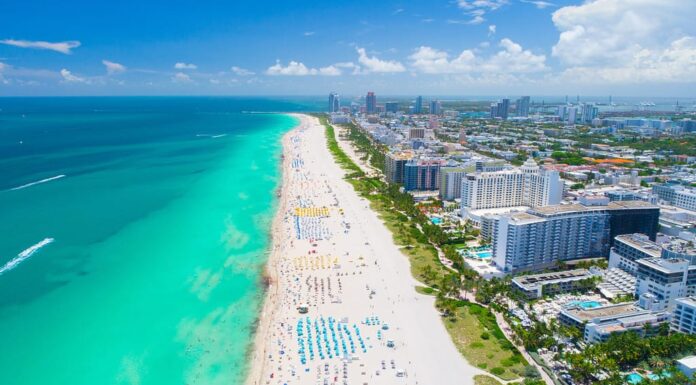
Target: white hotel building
x: 528, y: 185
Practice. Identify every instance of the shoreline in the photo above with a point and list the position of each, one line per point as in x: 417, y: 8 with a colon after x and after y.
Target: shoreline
x: 270, y: 275
x: 333, y: 255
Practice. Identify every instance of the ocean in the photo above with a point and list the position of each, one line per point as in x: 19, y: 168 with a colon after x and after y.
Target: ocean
x: 133, y: 234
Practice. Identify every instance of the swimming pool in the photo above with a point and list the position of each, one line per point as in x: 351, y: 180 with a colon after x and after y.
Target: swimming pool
x: 483, y: 254
x: 585, y: 304
x: 436, y: 220
x: 634, y: 378
x: 480, y: 253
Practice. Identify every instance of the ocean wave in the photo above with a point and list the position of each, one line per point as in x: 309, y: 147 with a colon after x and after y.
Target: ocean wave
x: 37, y: 182
x: 21, y: 257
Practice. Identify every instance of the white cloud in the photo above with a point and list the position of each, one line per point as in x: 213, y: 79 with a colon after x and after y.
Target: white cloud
x: 485, y: 4
x: 185, y: 66
x: 676, y: 63
x: 239, y: 71
x: 68, y: 77
x: 113, y: 68
x: 627, y: 40
x: 181, y: 77
x: 62, y: 46
x: 477, y: 8
x: 299, y: 69
x: 373, y: 64
x: 309, y: 33
x: 432, y: 61
x: 512, y: 58
x: 491, y: 30
x: 539, y: 3
x: 603, y: 31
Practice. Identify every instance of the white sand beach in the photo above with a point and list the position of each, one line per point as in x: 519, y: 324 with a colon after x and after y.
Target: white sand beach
x: 365, y: 323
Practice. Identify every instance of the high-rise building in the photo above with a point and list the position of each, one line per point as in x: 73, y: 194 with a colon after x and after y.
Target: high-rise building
x: 660, y: 281
x: 562, y: 111
x: 451, y: 182
x: 589, y: 112
x: 392, y: 107
x: 371, y: 103
x: 418, y: 107
x: 421, y: 175
x: 334, y: 103
x: 435, y: 107
x: 504, y: 108
x: 528, y: 185
x: 494, y: 110
x: 684, y: 315
x: 394, y: 166
x: 416, y: 133
x: 523, y: 106
x: 572, y: 115
x: 541, y: 237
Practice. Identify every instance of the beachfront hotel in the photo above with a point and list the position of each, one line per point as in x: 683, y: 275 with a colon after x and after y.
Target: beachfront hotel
x: 528, y: 185
x: 539, y: 238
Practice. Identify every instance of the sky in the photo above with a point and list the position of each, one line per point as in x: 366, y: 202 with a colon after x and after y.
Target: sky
x: 450, y: 47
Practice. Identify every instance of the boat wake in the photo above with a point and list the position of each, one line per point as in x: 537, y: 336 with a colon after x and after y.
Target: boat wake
x: 211, y: 136
x: 37, y: 182
x: 24, y: 255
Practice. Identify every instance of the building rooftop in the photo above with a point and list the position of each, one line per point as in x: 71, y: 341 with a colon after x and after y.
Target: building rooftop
x: 691, y: 301
x: 609, y: 311
x: 616, y: 205
x: 548, y: 278
x: 667, y: 266
x: 642, y: 243
x: 401, y: 155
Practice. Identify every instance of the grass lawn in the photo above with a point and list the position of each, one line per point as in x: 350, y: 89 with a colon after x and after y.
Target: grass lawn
x: 473, y: 329
x: 426, y: 290
x: 480, y: 342
x: 485, y: 380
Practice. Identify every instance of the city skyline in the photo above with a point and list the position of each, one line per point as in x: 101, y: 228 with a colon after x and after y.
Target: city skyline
x: 464, y: 47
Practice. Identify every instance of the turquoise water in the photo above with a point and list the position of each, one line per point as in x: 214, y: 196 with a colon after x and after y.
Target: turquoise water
x: 481, y: 253
x: 436, y: 220
x: 584, y: 304
x: 634, y: 378
x: 160, y: 225
x: 484, y: 254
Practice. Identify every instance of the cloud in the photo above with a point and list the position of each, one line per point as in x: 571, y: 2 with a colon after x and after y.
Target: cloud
x: 624, y: 41
x: 491, y: 30
x: 675, y: 64
x: 477, y: 9
x: 68, y: 77
x: 604, y: 31
x: 113, y: 68
x: 512, y: 58
x: 240, y: 71
x: 539, y: 4
x: 481, y: 4
x: 62, y: 46
x: 181, y: 77
x: 309, y: 33
x: 398, y: 11
x: 185, y: 66
x: 375, y: 65
x: 299, y: 69
x: 2, y: 78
